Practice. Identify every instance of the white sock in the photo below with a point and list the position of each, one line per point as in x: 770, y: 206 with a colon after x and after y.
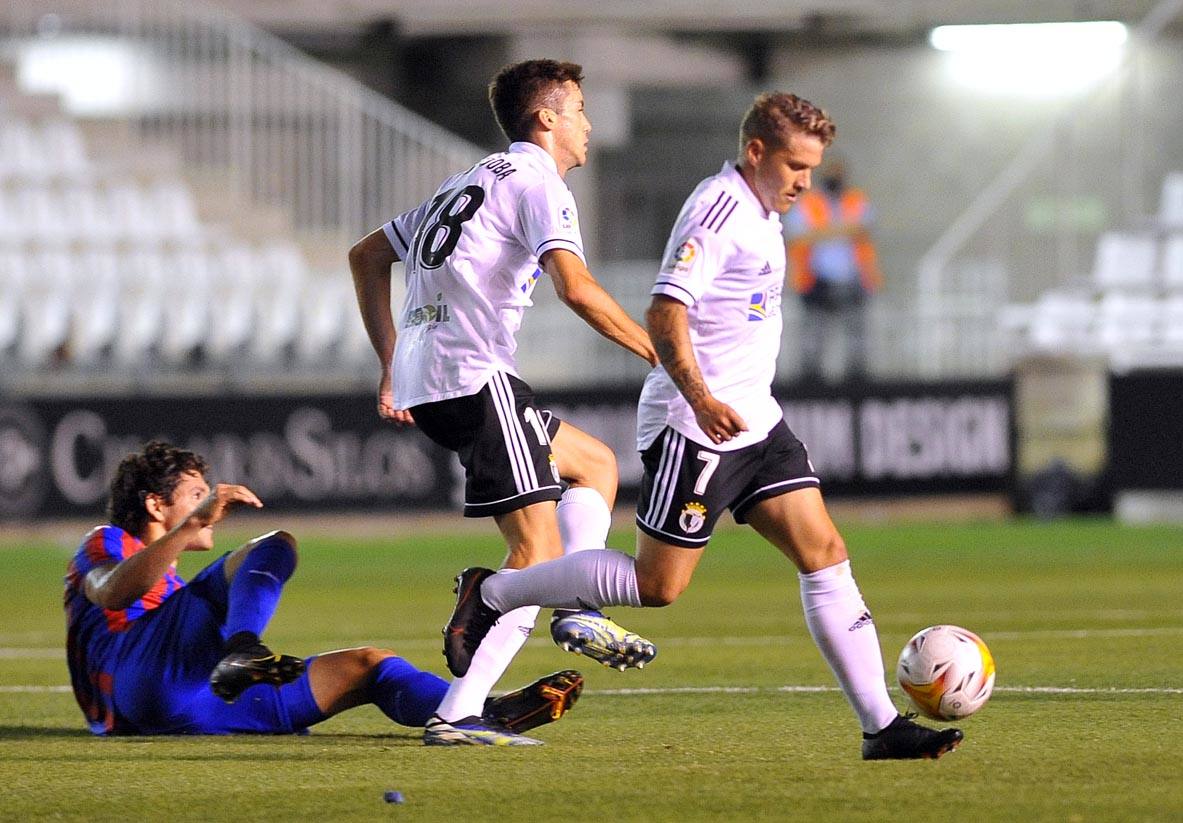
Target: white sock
x: 584, y: 519
x: 843, y: 630
x: 589, y: 579
x: 466, y: 695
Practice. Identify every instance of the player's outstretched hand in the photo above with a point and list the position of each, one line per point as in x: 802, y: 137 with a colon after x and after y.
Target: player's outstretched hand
x: 217, y: 504
x: 718, y: 420
x: 386, y: 409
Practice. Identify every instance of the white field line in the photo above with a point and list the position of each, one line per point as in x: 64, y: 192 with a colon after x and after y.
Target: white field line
x: 56, y: 652
x: 746, y: 690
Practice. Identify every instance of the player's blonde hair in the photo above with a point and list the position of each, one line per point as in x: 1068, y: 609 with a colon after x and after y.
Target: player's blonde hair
x: 774, y: 116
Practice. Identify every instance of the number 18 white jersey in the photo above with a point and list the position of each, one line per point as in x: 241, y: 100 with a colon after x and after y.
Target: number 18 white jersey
x: 471, y: 257
x: 726, y: 261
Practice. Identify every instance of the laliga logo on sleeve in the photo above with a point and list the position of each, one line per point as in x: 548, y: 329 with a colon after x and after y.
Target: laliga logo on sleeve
x: 567, y: 217
x: 693, y: 517
x: 684, y: 255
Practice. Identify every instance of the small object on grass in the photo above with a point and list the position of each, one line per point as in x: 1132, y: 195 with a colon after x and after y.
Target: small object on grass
x: 393, y: 797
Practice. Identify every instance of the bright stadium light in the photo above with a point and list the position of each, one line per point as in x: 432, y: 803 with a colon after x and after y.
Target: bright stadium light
x: 1035, y: 59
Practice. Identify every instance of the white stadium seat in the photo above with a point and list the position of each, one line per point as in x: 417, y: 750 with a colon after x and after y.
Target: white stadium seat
x: 1124, y: 320
x: 1172, y: 263
x: 1062, y: 322
x: 86, y: 214
x: 186, y: 305
x: 325, y: 307
x: 281, y: 278
x: 1170, y: 206
x: 45, y: 307
x: 94, y: 307
x: 1125, y: 260
x: 233, y: 272
x: 13, y: 277
x: 141, y: 305
x: 1171, y: 321
x: 173, y: 209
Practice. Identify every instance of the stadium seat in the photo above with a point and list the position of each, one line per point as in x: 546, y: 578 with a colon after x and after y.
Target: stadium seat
x: 174, y: 211
x: 38, y: 210
x: 1124, y: 320
x: 132, y: 214
x: 1062, y: 322
x: 45, y: 308
x: 12, y: 284
x: 1171, y: 322
x: 1125, y: 260
x: 1170, y: 207
x: 141, y: 306
x: 233, y: 272
x: 325, y: 305
x: 12, y: 224
x: 89, y: 214
x: 281, y: 277
x: 63, y: 149
x: 1172, y: 263
x: 186, y: 306
x: 94, y: 306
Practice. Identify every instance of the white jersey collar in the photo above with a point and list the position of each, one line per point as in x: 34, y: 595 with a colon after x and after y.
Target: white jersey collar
x: 730, y: 172
x: 526, y: 147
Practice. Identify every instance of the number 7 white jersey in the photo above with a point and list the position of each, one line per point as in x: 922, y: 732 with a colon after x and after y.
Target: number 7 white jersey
x: 471, y: 255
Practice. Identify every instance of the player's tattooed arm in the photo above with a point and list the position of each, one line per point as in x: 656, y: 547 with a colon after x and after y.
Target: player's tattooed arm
x: 669, y: 327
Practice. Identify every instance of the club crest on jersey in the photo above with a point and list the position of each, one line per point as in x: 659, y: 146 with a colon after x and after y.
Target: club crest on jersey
x: 567, y: 217
x: 430, y: 315
x: 554, y: 468
x: 693, y: 517
x: 684, y: 256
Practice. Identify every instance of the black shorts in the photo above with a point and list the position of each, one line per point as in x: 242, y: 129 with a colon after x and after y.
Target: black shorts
x: 502, y: 441
x: 686, y: 486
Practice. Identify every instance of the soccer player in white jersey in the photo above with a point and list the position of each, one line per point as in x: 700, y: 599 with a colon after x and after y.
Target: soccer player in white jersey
x: 712, y: 436
x: 474, y: 253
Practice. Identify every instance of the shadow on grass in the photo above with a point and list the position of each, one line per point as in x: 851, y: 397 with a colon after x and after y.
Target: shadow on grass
x: 410, y: 738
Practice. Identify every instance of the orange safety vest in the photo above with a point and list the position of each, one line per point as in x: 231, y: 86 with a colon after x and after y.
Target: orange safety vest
x: 815, y: 207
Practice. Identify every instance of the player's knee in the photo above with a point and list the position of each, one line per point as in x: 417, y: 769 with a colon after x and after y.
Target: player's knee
x: 829, y: 551
x: 276, y: 551
x: 659, y: 592
x: 285, y: 537
x: 601, y: 463
x: 371, y: 656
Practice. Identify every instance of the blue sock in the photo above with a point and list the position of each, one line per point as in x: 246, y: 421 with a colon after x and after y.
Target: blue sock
x: 257, y: 585
x: 405, y: 694
x: 297, y: 700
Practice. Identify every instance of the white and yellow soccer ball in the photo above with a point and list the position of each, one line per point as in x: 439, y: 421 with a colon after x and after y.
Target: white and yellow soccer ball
x: 947, y: 672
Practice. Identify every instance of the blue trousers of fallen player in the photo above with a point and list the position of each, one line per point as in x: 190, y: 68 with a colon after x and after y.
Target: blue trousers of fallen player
x: 163, y: 662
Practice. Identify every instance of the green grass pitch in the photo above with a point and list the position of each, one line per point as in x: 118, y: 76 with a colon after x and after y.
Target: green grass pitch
x: 1085, y: 619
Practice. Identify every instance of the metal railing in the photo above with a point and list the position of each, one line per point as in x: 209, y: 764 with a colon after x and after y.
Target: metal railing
x: 1035, y: 226
x: 283, y: 129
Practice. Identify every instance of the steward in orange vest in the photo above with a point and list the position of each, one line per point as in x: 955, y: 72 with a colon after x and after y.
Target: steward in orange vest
x: 839, y: 218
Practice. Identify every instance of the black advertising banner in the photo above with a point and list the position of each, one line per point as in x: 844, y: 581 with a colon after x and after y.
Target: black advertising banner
x: 308, y: 453
x: 1146, y: 430
x: 875, y: 440
x: 326, y: 453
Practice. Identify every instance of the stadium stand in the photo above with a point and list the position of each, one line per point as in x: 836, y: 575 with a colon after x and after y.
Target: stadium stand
x: 1130, y: 310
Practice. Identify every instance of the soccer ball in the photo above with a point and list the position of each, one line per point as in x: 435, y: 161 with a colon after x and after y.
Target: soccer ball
x: 947, y: 672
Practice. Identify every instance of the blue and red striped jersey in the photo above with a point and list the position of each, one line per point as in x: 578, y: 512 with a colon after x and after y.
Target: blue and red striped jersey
x: 92, y: 631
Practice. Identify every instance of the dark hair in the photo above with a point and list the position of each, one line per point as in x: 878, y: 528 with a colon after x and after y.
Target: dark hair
x: 776, y: 115
x: 156, y: 469
x: 521, y: 89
